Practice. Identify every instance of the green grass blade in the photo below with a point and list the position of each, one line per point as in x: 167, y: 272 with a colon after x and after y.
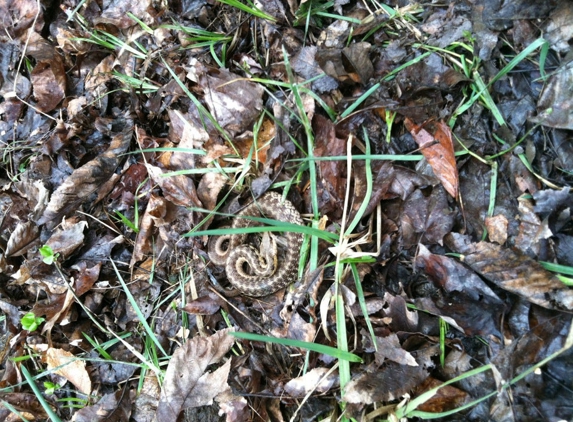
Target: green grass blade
x: 38, y: 394
x: 318, y: 348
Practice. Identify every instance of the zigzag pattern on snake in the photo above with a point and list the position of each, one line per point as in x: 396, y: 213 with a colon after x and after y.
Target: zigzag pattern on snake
x: 259, y: 272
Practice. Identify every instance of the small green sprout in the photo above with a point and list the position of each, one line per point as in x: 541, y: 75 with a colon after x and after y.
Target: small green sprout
x: 31, y: 322
x: 51, y: 387
x: 48, y: 254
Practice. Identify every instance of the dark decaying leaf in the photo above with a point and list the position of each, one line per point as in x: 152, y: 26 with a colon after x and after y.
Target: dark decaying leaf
x: 356, y: 59
x: 515, y: 272
x: 426, y: 218
x: 332, y: 179
x: 48, y: 76
x: 466, y: 298
x: 389, y: 382
x: 25, y: 403
x: 87, y: 179
x: 305, y: 64
x: 187, y: 384
x: 555, y: 106
x: 550, y: 202
x: 114, y: 407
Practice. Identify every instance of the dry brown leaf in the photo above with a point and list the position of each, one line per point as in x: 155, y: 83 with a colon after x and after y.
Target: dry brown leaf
x: 531, y: 229
x: 209, y: 188
x: 438, y: 149
x: 178, y: 189
x: 187, y: 384
x: 390, y: 382
x: 48, y: 76
x: 68, y: 237
x: 25, y: 236
x: 155, y: 210
x: 446, y: 398
x: 205, y: 305
x: 233, y: 101
x: 497, y: 228
x: 72, y: 368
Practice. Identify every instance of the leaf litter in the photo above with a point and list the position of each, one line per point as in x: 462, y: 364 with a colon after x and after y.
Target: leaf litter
x: 433, y: 141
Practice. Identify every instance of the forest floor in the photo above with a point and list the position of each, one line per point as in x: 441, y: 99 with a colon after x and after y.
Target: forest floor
x: 426, y: 147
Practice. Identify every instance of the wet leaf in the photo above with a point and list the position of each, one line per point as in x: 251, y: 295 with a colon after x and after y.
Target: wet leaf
x: 515, y: 272
x: 87, y: 179
x: 389, y: 382
x: 466, y: 298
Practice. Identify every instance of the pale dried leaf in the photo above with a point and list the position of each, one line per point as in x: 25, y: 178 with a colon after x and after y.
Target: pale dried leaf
x: 186, y: 382
x: 316, y: 380
x: 67, y: 238
x: 72, y: 368
x: 389, y: 348
x: 497, y: 228
x: 25, y: 236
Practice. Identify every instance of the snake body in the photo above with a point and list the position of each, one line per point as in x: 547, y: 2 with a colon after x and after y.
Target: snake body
x: 259, y: 272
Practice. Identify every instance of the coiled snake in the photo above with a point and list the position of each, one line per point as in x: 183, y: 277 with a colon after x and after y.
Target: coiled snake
x: 259, y: 272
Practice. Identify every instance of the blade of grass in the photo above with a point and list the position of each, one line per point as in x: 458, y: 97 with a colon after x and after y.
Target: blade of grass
x: 142, y: 319
x: 314, y: 347
x: 273, y: 226
x: 251, y: 9
x: 47, y: 408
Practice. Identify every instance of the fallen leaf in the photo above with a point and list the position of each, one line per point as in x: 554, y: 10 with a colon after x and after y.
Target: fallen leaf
x: 515, y: 272
x: 70, y: 367
x: 316, y: 380
x: 186, y: 383
x: 438, y: 149
x: 25, y: 236
x: 390, y: 382
x: 87, y: 179
x: 110, y: 408
x: 389, y: 348
x: 497, y: 228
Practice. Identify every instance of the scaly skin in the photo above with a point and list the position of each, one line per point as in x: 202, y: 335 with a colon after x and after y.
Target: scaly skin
x: 263, y: 280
